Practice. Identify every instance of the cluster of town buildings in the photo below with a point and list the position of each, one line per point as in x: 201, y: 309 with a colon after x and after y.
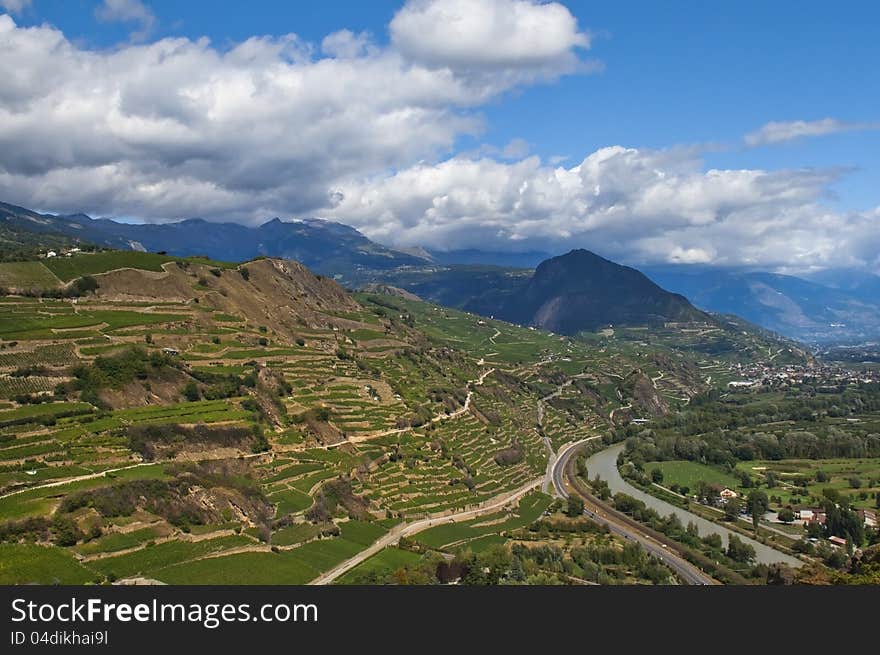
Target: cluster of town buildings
x: 765, y: 374
x: 63, y: 252
x: 806, y: 516
x: 809, y: 515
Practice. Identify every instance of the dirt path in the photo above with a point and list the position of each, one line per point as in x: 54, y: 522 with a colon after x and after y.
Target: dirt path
x: 100, y: 474
x: 611, y: 414
x: 407, y: 529
x: 360, y: 438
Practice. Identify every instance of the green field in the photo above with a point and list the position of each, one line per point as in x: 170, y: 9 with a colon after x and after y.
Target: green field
x: 33, y: 564
x: 33, y: 325
x: 117, y: 541
x: 381, y: 564
x: 297, y: 566
x: 147, y: 561
x: 840, y: 472
x: 688, y: 474
x: 528, y: 511
x: 242, y: 569
x: 27, y: 275
x: 69, y: 268
x: 361, y: 532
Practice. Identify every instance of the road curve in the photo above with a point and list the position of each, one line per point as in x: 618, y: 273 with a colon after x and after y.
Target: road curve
x: 686, y: 571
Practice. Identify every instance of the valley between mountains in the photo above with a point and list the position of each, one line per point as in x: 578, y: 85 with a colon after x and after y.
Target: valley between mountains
x: 184, y: 420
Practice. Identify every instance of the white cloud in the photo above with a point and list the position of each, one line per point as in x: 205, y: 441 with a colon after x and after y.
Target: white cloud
x: 275, y: 126
x: 15, y: 6
x: 128, y: 11
x: 179, y: 127
x: 488, y: 34
x: 515, y: 149
x: 346, y: 44
x: 638, y: 206
x: 782, y: 131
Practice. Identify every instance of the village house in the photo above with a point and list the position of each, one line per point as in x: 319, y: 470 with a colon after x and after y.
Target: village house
x: 869, y: 518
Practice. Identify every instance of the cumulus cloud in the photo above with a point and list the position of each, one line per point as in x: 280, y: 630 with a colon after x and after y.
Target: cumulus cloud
x: 639, y: 206
x: 347, y: 44
x: 15, y: 6
x: 488, y: 34
x: 179, y: 127
x: 350, y: 130
x: 782, y: 131
x: 128, y: 11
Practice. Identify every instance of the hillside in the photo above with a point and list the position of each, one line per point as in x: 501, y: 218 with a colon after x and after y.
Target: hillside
x: 327, y: 247
x: 194, y: 421
x: 24, y: 233
x: 581, y: 291
x: 578, y: 291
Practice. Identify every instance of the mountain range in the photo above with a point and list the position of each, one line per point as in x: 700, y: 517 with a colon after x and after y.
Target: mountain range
x: 577, y: 291
x: 323, y: 246
x: 830, y: 307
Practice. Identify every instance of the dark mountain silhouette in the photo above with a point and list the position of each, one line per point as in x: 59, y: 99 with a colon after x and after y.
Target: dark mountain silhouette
x: 583, y: 291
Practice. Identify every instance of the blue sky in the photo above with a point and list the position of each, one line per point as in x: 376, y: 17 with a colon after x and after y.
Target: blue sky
x: 684, y: 76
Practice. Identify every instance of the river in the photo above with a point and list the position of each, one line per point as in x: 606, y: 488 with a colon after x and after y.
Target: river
x: 604, y: 464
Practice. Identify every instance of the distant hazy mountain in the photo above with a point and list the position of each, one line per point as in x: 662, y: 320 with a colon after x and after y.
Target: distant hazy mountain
x: 576, y: 291
x: 860, y: 284
x: 797, y: 308
x: 324, y: 246
x: 583, y: 291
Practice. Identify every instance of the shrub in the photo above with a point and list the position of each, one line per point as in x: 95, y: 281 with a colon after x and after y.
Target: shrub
x: 84, y: 285
x: 511, y: 455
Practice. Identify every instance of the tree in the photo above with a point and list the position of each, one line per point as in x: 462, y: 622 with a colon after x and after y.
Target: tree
x: 757, y: 503
x: 657, y: 476
x: 191, y: 391
x: 575, y: 507
x: 65, y: 531
x: 732, y: 509
x: 831, y: 494
x: 83, y: 285
x: 843, y: 522
x: 739, y: 551
x: 713, y: 540
x: 786, y: 515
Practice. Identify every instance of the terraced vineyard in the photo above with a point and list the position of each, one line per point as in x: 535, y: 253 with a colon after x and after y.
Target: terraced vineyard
x: 192, y: 422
